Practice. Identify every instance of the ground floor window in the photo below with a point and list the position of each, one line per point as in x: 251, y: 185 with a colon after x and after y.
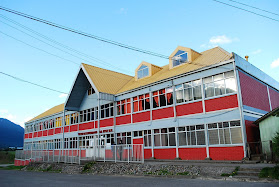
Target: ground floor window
x: 191, y: 135
x: 164, y: 137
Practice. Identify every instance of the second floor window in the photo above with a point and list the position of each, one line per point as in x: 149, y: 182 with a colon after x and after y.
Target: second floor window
x: 143, y: 71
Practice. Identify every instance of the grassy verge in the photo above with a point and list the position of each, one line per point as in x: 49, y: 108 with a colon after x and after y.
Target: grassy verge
x: 7, y: 157
x: 12, y: 168
x: 270, y: 173
x: 231, y: 174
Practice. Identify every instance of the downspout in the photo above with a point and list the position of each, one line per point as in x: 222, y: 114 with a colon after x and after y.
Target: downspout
x: 63, y: 122
x: 175, y: 120
x: 152, y: 134
x: 99, y: 116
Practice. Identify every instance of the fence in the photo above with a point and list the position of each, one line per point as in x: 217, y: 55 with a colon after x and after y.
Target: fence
x: 108, y: 153
x: 113, y: 153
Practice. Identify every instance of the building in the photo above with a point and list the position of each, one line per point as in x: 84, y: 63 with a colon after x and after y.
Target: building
x: 201, y: 105
x: 269, y: 126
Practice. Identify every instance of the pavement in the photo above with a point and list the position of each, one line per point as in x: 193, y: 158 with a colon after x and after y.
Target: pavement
x: 29, y: 179
x: 6, y: 165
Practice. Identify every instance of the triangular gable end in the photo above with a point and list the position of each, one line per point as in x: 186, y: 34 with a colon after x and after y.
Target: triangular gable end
x: 80, y: 86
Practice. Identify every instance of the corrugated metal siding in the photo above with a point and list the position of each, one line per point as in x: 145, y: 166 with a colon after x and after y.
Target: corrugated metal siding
x: 274, y: 98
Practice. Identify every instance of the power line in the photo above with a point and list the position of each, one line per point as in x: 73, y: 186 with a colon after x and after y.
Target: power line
x: 254, y: 7
x: 84, y: 34
x: 247, y: 10
x: 59, y: 44
x: 19, y: 79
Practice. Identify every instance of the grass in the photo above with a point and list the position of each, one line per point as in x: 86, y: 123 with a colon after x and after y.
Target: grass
x: 7, y: 157
x: 270, y: 173
x: 87, y: 167
x: 183, y: 173
x: 12, y: 167
x: 231, y: 174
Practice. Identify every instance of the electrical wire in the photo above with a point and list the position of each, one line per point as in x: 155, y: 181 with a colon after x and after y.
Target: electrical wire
x: 254, y: 7
x: 83, y: 33
x: 59, y: 44
x: 19, y: 79
x: 247, y: 10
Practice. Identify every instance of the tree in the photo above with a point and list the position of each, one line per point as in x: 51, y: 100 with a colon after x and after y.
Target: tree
x: 275, y: 144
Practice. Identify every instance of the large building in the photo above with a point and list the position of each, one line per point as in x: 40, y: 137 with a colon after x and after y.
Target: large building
x: 201, y: 105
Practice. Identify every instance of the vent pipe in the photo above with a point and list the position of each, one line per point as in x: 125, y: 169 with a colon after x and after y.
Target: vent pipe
x: 246, y: 57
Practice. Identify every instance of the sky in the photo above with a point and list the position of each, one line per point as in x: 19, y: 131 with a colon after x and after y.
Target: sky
x: 158, y: 26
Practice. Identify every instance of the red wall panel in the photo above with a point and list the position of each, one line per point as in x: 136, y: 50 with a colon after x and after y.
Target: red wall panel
x: 30, y: 135
x: 50, y: 132
x: 191, y: 108
x: 143, y: 116
x: 169, y: 153
x: 192, y: 153
x: 35, y: 134
x: 147, y: 153
x: 26, y: 136
x: 121, y: 120
x: 45, y: 133
x: 73, y: 128
x: 274, y: 98
x: 226, y: 153
x: 253, y: 92
x: 138, y: 141
x: 58, y: 130
x: 84, y: 126
x: 221, y: 103
x: 40, y: 133
x: 162, y: 113
x: 66, y: 128
x: 106, y: 122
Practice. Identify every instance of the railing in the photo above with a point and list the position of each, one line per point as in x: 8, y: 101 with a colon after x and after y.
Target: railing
x: 113, y: 153
x: 108, y: 153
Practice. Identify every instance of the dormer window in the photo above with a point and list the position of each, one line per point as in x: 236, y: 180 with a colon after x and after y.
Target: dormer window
x: 143, y: 71
x: 90, y: 91
x: 179, y: 58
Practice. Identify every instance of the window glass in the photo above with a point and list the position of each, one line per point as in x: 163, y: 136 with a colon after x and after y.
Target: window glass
x: 143, y: 71
x: 179, y: 58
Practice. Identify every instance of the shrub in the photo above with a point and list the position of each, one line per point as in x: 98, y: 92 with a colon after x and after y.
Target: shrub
x: 275, y: 144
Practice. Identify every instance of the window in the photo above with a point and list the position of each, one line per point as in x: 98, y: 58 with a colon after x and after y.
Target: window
x: 179, y: 58
x: 58, y: 122
x: 219, y: 84
x: 125, y: 137
x: 188, y: 91
x: 143, y: 71
x: 90, y: 91
x: 164, y: 137
x: 124, y: 106
x: 191, y: 135
x: 107, y: 110
x: 141, y: 102
x: 163, y: 97
x: 147, y: 138
x: 225, y: 133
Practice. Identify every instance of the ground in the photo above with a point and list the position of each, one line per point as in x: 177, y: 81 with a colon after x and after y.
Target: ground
x: 24, y: 178
x: 7, y: 157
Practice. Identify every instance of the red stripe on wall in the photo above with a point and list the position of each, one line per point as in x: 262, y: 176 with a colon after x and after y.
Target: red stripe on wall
x: 162, y: 113
x: 226, y: 153
x: 147, y: 153
x: 121, y: 120
x: 73, y: 128
x: 274, y: 98
x: 66, y: 128
x: 45, y: 133
x: 191, y: 108
x: 58, y: 130
x: 221, y: 103
x: 253, y: 92
x: 26, y: 136
x: 40, y: 133
x: 50, y: 132
x: 84, y: 126
x: 192, y: 153
x: 106, y: 122
x: 143, y: 116
x: 30, y: 135
x: 169, y: 153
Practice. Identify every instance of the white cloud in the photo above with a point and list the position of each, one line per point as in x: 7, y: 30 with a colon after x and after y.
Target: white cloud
x: 62, y: 95
x: 218, y: 40
x: 123, y: 10
x: 3, y: 111
x: 275, y: 63
x: 256, y: 52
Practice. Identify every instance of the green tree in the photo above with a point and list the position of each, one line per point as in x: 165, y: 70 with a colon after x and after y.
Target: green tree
x: 275, y: 144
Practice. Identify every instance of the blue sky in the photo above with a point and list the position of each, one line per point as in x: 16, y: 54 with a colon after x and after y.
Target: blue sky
x: 158, y: 26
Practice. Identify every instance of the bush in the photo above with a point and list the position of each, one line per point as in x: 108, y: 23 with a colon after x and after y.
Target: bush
x: 270, y: 173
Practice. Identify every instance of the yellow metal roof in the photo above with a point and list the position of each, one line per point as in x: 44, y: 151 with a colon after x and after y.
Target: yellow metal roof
x: 106, y: 81
x: 209, y: 57
x: 111, y: 82
x: 53, y: 110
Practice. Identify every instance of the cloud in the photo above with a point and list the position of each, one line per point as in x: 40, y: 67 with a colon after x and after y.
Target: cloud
x: 256, y: 52
x: 219, y: 40
x: 123, y: 10
x: 3, y: 111
x: 275, y: 63
x: 62, y: 95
